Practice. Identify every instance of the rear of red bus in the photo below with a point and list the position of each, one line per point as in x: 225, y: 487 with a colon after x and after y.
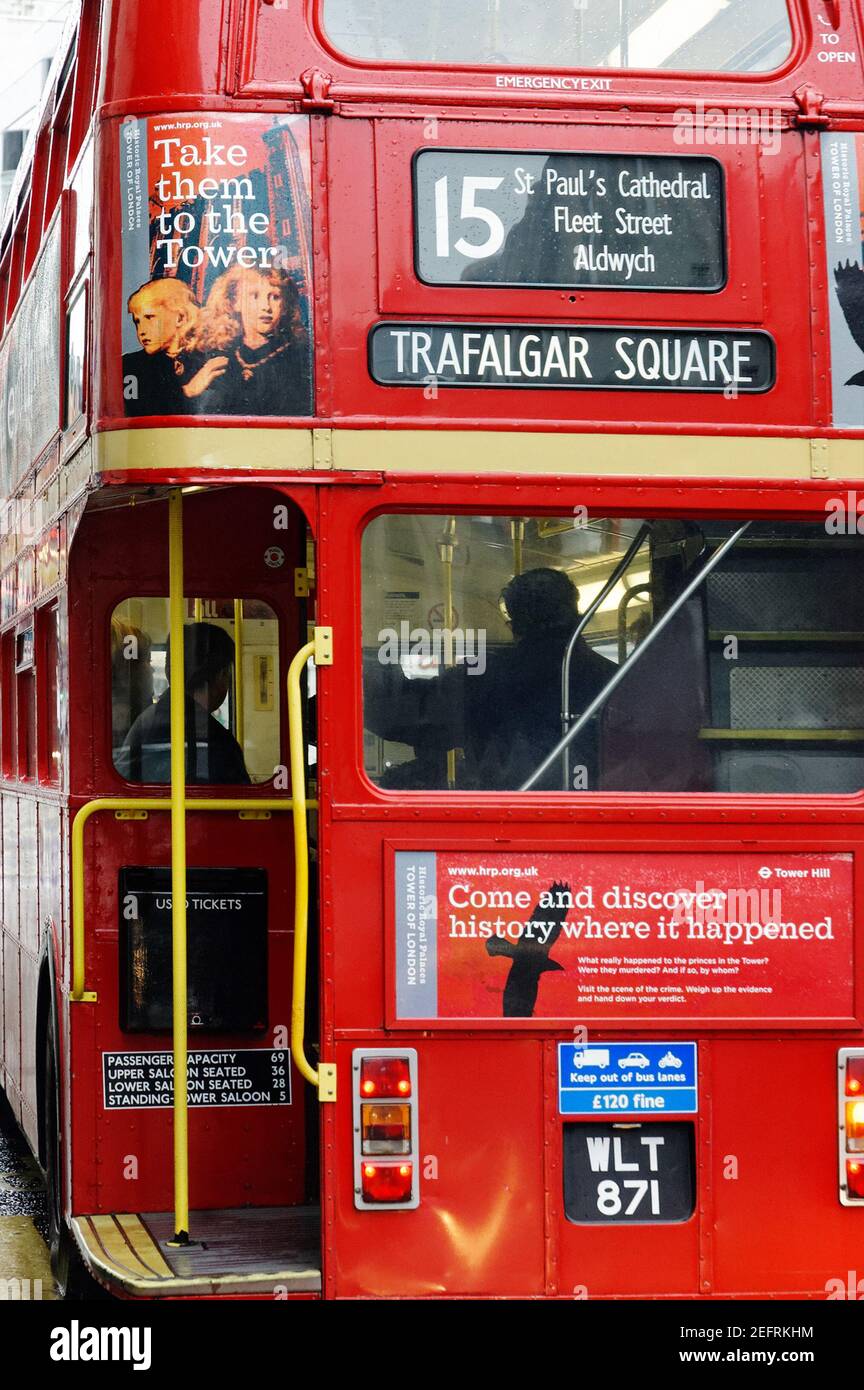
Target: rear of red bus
x: 573, y: 496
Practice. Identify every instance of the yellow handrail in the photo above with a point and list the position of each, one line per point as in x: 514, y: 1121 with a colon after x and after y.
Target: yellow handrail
x: 180, y: 1024
x: 177, y: 803
x: 324, y: 1077
x: 239, y: 702
x: 80, y: 994
x: 297, y: 749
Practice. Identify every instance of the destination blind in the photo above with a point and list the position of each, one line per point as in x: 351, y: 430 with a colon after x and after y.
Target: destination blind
x: 559, y: 220
x: 521, y: 355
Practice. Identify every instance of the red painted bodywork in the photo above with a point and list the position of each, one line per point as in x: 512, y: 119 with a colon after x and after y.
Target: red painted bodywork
x: 490, y: 1220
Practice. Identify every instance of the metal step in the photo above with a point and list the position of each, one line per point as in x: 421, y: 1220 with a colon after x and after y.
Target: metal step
x: 268, y: 1252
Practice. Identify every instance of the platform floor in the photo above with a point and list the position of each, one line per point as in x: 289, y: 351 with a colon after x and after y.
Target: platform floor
x: 268, y: 1251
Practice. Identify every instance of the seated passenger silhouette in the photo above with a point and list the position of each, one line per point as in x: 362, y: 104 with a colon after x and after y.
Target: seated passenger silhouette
x: 213, y: 754
x: 513, y: 712
x: 507, y: 719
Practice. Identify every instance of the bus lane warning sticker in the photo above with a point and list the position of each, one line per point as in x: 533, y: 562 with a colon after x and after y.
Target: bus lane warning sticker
x: 627, y: 1078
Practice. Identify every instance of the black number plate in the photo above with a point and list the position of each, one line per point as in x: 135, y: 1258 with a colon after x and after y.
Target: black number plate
x: 631, y: 1173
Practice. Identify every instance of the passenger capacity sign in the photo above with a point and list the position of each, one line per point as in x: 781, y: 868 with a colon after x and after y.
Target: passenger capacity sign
x: 627, y: 1078
x: 555, y: 219
x: 600, y: 359
x: 230, y: 1077
x: 743, y: 937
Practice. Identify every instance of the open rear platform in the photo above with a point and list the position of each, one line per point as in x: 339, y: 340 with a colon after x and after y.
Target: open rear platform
x: 264, y: 1251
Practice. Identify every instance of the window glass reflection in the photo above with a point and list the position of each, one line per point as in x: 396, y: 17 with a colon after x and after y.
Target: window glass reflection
x: 688, y: 35
x: 670, y: 665
x: 231, y: 661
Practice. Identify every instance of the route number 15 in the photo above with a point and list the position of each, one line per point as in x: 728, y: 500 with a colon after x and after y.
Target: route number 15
x: 470, y: 209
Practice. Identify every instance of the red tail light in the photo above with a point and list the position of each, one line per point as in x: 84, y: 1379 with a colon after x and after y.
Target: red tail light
x: 855, y: 1178
x: 385, y: 1078
x: 386, y: 1146
x: 850, y: 1062
x: 855, y: 1076
x: 387, y: 1182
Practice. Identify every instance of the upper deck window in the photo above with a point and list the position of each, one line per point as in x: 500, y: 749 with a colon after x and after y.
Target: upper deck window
x: 683, y: 35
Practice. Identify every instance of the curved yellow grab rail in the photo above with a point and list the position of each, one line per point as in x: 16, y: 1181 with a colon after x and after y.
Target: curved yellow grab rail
x: 179, y: 954
x: 324, y: 1077
x: 132, y: 804
x: 297, y: 749
x: 321, y: 651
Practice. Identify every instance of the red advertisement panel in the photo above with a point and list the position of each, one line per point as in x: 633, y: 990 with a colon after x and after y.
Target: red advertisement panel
x: 217, y: 265
x: 708, y: 937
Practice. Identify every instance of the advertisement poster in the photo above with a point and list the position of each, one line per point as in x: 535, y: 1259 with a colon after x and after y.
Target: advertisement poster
x: 588, y: 937
x: 217, y: 265
x: 842, y: 172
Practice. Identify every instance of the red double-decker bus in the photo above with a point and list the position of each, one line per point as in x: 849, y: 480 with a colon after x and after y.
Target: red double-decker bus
x: 432, y: 653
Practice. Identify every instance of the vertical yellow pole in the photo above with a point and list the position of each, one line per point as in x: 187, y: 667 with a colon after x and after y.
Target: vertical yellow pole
x: 517, y: 531
x: 178, y: 865
x: 446, y: 547
x: 198, y: 610
x: 239, y: 715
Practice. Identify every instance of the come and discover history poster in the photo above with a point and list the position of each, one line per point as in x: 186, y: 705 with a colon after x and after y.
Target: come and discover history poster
x: 727, y: 936
x: 217, y: 265
x: 843, y: 197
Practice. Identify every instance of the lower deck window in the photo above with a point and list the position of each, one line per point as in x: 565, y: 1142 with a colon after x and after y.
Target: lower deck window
x: 752, y: 684
x: 231, y: 675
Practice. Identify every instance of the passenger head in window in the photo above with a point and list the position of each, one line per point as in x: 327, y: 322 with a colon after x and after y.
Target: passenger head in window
x: 540, y: 600
x: 253, y: 323
x: 513, y: 712
x: 213, y: 754
x: 157, y: 380
x: 208, y: 660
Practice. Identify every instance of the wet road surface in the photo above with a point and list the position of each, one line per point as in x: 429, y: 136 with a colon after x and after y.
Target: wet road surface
x: 25, y: 1271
